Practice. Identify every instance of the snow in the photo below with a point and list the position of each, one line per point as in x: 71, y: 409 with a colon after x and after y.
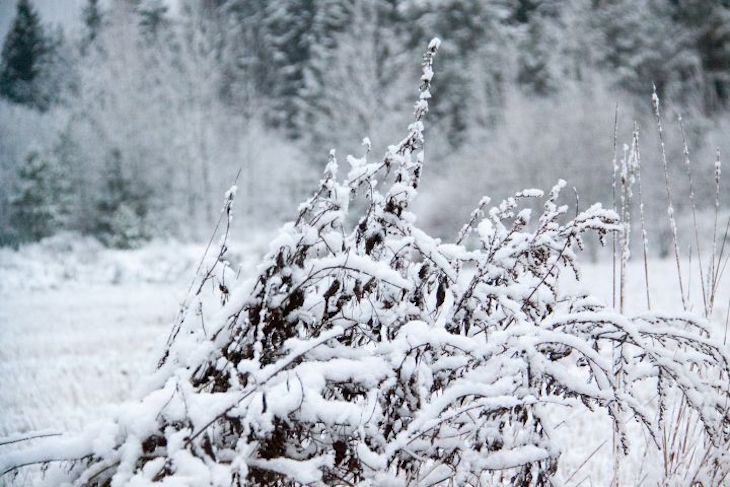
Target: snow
x: 86, y: 325
x: 77, y: 350
x: 357, y: 317
x: 67, y: 258
x: 74, y: 351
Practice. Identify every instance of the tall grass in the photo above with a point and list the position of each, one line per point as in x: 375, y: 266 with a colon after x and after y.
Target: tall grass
x: 688, y: 455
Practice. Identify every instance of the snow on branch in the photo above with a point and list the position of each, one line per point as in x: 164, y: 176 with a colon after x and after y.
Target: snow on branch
x: 374, y: 354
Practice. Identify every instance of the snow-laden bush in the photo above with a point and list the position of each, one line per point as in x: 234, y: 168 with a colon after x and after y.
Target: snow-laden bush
x: 367, y: 352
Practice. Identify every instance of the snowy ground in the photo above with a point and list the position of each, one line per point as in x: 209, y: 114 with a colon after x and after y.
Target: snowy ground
x: 69, y: 352
x: 76, y: 341
x: 81, y: 324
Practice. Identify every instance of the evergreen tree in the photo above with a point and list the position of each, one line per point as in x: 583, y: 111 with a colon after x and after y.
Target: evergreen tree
x: 92, y: 18
x: 708, y: 23
x: 330, y: 18
x: 153, y: 16
x: 537, y: 70
x: 290, y: 41
x: 71, y: 186
x: 121, y: 211
x: 476, y: 62
x: 643, y: 44
x: 24, y: 52
x: 355, y: 81
x: 34, y: 207
x: 246, y: 70
x: 60, y: 81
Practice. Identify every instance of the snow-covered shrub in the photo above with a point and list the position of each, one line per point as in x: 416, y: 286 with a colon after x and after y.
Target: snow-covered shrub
x: 367, y: 352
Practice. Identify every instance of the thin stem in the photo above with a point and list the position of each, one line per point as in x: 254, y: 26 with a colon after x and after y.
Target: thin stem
x: 626, y: 196
x: 613, y: 189
x: 713, y: 264
x: 668, y: 187
x: 644, y: 236
x: 727, y: 320
x: 693, y: 205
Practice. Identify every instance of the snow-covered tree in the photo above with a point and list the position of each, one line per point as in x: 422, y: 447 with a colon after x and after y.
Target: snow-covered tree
x: 289, y: 41
x: 22, y: 129
x: 478, y: 62
x: 354, y: 84
x: 537, y: 66
x: 707, y: 21
x: 152, y: 17
x: 93, y: 19
x: 644, y: 45
x: 77, y: 212
x: 121, y: 211
x: 25, y: 50
x: 36, y: 205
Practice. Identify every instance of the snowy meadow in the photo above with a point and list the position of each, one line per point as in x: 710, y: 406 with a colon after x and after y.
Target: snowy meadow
x: 63, y: 371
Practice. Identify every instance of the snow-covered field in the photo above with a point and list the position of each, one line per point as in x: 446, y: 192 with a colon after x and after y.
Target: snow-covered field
x: 70, y: 352
x: 80, y: 326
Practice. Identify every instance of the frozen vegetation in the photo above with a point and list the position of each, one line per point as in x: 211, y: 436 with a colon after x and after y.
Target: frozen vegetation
x: 361, y: 350
x: 400, y: 327
x: 60, y: 372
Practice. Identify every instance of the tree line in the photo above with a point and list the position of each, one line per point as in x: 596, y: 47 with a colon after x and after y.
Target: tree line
x: 130, y: 123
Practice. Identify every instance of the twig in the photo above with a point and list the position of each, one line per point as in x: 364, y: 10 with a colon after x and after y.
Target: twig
x: 668, y: 187
x: 27, y: 438
x: 613, y: 188
x: 644, y: 237
x: 693, y: 205
x: 585, y: 461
